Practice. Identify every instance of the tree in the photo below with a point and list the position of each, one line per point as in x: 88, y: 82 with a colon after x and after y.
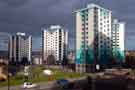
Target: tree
x: 24, y: 61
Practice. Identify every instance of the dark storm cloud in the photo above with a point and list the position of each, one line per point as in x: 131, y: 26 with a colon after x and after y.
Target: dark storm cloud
x: 30, y: 15
x: 14, y: 3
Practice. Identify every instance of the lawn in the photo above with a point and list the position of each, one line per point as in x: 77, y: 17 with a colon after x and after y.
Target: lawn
x: 37, y: 76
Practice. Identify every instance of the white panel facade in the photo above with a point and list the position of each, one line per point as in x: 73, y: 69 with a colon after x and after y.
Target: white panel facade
x: 55, y: 41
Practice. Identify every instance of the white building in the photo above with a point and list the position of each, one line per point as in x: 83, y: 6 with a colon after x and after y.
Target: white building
x: 54, y: 42
x: 94, y: 36
x: 21, y: 47
x: 118, y: 35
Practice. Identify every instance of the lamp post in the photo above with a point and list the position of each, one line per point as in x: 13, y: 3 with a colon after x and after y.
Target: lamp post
x: 9, y: 58
x: 8, y: 77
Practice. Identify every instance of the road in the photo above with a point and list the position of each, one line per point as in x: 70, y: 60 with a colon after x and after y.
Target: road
x: 42, y: 85
x: 87, y: 84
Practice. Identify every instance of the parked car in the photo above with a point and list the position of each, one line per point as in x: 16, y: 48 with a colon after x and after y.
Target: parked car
x: 62, y: 81
x: 29, y: 85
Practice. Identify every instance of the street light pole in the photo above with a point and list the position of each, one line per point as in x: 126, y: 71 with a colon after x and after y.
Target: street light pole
x: 9, y: 41
x: 8, y: 77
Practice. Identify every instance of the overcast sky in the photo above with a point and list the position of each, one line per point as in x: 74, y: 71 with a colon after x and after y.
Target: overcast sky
x: 31, y: 15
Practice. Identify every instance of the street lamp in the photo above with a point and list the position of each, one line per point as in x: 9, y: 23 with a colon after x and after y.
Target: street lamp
x: 8, y: 77
x: 9, y: 41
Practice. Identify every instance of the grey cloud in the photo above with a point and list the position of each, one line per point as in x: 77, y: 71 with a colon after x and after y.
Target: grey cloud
x: 14, y: 3
x: 30, y: 15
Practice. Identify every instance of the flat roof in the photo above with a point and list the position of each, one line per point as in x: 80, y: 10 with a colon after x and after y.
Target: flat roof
x: 90, y: 6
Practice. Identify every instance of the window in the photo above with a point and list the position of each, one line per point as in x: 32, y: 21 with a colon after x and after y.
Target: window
x: 83, y: 29
x: 101, y: 41
x: 101, y: 10
x: 82, y: 37
x: 101, y: 37
x: 82, y: 41
x: 82, y: 46
x: 86, y: 13
x: 101, y: 28
x: 95, y: 25
x: 101, y: 19
x: 82, y: 32
x: 87, y: 19
x: 101, y: 46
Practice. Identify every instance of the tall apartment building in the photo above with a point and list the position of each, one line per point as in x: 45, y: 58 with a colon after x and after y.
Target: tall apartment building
x: 93, y: 37
x: 118, y: 30
x: 21, y: 47
x: 54, y: 42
